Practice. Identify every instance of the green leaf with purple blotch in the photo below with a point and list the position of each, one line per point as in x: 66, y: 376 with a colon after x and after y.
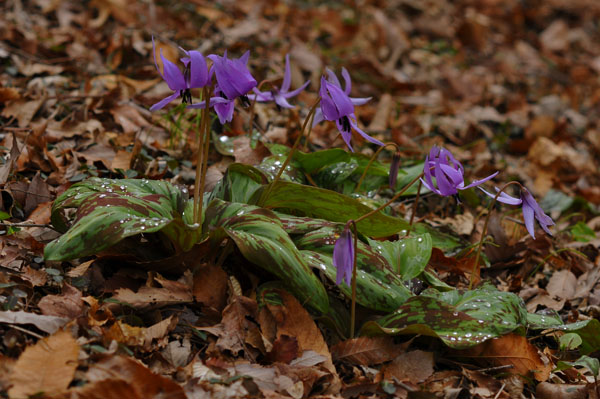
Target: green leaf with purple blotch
x: 108, y: 211
x: 259, y: 235
x: 460, y: 319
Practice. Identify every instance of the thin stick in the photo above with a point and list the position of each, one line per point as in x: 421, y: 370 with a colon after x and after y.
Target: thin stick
x: 373, y: 157
x: 394, y: 198
x: 414, y: 210
x: 199, y: 160
x: 354, y: 266
x: 485, y: 226
x: 206, y: 132
x: 267, y: 192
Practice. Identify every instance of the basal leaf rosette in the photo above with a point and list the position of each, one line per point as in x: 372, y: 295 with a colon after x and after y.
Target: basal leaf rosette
x: 106, y: 211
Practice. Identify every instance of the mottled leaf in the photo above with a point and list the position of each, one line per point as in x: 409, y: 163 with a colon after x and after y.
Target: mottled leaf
x: 107, y: 211
x: 408, y: 256
x: 459, y: 319
x: 260, y: 237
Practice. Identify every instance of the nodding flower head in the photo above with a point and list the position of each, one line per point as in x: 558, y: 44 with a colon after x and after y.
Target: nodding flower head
x: 195, y: 75
x: 343, y: 256
x: 531, y: 209
x: 233, y: 76
x: 338, y: 106
x: 448, y: 173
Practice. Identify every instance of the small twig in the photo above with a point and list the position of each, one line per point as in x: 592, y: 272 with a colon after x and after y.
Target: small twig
x: 500, y: 390
x: 38, y: 336
x: 24, y: 224
x: 496, y: 368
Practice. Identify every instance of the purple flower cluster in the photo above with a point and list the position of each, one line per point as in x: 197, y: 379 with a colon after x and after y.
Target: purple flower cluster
x: 234, y: 80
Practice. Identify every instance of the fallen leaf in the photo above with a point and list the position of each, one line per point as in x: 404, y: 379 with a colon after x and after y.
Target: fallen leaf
x: 6, y: 169
x: 414, y: 366
x: 210, y: 286
x: 367, y: 351
x: 514, y: 350
x: 47, y: 324
x: 46, y: 367
x: 562, y: 284
x: 123, y: 377
x: 293, y: 320
x: 68, y: 305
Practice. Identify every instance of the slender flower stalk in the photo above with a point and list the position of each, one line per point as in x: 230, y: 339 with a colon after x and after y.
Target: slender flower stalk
x: 530, y: 208
x: 288, y: 159
x: 344, y: 260
x: 394, y: 198
x: 373, y: 158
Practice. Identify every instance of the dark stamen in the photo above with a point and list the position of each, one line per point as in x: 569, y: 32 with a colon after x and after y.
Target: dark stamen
x: 345, y: 123
x: 245, y: 101
x: 186, y: 96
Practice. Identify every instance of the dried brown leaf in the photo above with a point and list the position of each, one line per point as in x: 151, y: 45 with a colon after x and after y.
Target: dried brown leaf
x: 68, y: 305
x: 514, y: 350
x: 367, y: 351
x: 414, y: 366
x: 46, y: 367
x: 122, y: 377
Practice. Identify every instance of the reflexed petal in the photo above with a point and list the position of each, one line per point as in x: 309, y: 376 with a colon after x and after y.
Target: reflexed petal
x: 360, y: 100
x: 244, y: 58
x: 478, y: 182
x: 224, y: 111
x: 287, y: 76
x: 293, y: 93
x: 172, y: 74
x: 347, y: 81
x: 528, y: 217
x: 543, y: 219
x: 233, y: 77
x: 164, y: 101
x: 198, y: 70
x: 211, y: 103
x: 333, y: 78
x: 503, y: 197
x: 318, y: 118
x: 343, y: 257
x: 261, y: 96
x: 155, y: 62
x: 282, y: 102
x: 365, y: 135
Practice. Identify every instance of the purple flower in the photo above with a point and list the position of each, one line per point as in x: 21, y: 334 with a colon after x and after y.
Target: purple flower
x: 223, y: 107
x: 343, y: 257
x: 448, y: 173
x: 338, y: 106
x: 233, y: 77
x: 195, y: 75
x: 280, y: 95
x: 531, y: 209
